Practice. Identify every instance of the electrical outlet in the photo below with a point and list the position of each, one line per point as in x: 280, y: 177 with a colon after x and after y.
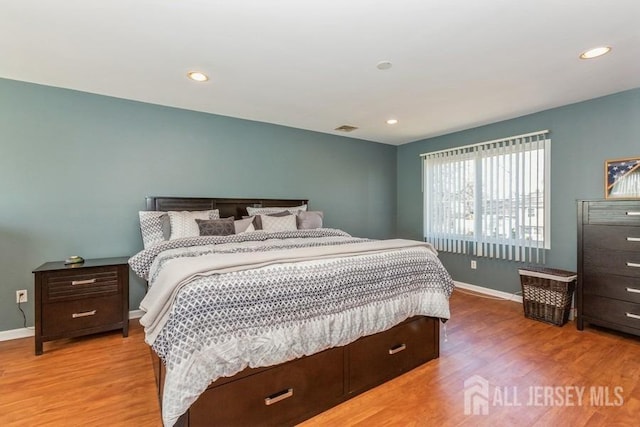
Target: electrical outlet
x: 21, y: 296
x: 474, y: 264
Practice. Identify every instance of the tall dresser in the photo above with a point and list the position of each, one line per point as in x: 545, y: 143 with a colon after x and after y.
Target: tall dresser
x: 609, y: 264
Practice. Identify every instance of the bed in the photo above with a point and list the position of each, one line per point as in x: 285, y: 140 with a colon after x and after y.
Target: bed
x: 273, y: 327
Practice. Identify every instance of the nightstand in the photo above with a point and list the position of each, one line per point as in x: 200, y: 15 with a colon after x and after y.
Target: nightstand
x: 80, y: 299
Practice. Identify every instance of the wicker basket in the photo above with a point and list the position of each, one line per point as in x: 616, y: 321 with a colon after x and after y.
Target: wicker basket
x: 547, y: 294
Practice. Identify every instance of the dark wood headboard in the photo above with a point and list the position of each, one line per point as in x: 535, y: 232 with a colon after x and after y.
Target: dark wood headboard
x: 228, y: 207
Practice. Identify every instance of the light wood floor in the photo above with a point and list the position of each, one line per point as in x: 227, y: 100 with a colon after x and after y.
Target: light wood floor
x: 107, y: 380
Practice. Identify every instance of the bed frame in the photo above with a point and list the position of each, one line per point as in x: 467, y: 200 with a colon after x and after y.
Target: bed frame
x: 291, y: 392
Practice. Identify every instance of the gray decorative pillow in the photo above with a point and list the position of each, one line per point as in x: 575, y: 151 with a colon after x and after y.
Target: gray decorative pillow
x: 279, y: 223
x: 309, y: 220
x: 166, y: 226
x: 216, y: 227
x: 151, y: 227
x: 261, y: 211
x: 183, y: 224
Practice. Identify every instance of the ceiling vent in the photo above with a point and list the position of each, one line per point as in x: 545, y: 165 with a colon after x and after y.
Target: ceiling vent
x: 346, y: 128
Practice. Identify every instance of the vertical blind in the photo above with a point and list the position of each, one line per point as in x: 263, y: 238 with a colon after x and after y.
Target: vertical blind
x: 490, y: 199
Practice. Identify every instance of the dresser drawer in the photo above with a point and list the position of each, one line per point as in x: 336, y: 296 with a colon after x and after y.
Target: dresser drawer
x: 376, y: 358
x: 283, y: 394
x: 88, y: 282
x: 611, y: 286
x: 614, y: 212
x: 607, y: 237
x: 69, y: 316
x: 622, y: 263
x: 613, y: 311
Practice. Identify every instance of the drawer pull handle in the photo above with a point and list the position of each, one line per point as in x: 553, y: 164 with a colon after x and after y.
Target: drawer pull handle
x: 84, y: 314
x: 83, y: 282
x: 633, y: 290
x: 397, y: 349
x: 275, y: 398
x: 633, y: 239
x: 633, y: 213
x: 633, y: 316
x: 633, y: 264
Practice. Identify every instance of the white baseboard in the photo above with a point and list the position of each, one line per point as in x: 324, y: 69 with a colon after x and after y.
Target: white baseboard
x: 500, y: 294
x: 135, y: 314
x: 14, y: 334
x: 489, y: 291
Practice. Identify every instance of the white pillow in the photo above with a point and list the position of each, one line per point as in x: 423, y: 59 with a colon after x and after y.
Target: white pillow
x: 183, y: 224
x: 257, y: 211
x: 244, y: 225
x: 151, y: 227
x: 278, y: 223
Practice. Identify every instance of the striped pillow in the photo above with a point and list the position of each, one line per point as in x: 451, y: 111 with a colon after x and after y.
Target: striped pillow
x: 183, y: 224
x: 278, y: 223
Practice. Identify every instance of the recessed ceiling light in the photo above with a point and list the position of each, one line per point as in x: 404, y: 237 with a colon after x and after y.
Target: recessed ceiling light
x: 384, y: 65
x: 595, y: 52
x: 392, y: 121
x: 197, y: 76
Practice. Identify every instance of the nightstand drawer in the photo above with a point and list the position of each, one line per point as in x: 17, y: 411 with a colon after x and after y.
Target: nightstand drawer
x: 88, y: 282
x: 68, y: 316
x: 81, y: 299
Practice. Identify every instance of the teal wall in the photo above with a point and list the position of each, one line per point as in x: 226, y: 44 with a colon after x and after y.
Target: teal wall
x: 75, y: 169
x: 583, y: 136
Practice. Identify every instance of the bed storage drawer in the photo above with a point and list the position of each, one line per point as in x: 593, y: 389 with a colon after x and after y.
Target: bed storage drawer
x: 283, y: 395
x: 304, y: 387
x: 377, y: 358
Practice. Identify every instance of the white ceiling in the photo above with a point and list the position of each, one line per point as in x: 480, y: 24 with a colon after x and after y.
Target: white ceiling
x: 311, y: 64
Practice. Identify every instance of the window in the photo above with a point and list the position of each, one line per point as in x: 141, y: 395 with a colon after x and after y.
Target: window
x: 490, y: 199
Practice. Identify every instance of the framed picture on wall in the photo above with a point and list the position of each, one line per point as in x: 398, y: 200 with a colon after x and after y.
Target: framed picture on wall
x: 622, y: 178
